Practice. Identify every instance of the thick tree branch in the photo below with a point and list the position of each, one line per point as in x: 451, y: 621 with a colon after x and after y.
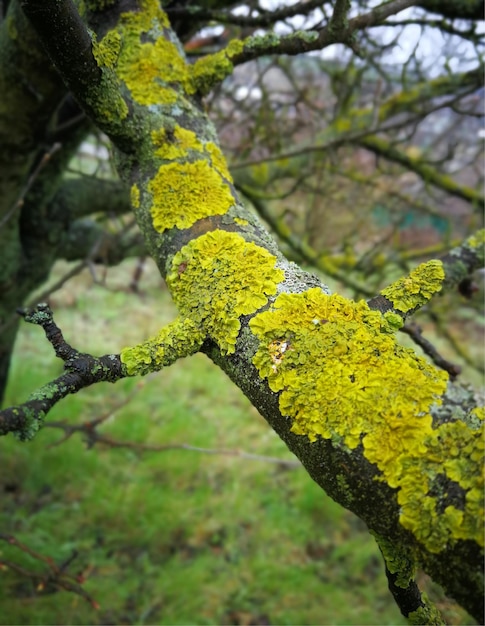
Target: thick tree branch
x: 67, y: 42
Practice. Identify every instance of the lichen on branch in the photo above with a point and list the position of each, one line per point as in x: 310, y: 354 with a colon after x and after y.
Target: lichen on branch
x: 341, y: 375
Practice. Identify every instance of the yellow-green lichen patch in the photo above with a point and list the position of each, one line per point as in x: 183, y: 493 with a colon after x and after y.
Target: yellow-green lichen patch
x: 147, y: 72
x: 448, y: 475
x: 218, y: 277
x: 212, y: 68
x: 180, y: 142
x: 426, y: 614
x: 342, y: 376
x: 477, y: 240
x: 148, y: 69
x: 185, y: 193
x: 135, y: 196
x: 399, y: 561
x: 107, y: 51
x: 416, y: 289
x: 175, y: 341
x: 218, y: 160
x: 176, y: 144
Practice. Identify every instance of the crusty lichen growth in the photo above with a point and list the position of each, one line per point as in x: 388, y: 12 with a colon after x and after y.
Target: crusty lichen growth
x: 152, y: 69
x: 426, y: 614
x: 476, y: 240
x: 341, y: 375
x: 185, y: 193
x: 218, y: 277
x: 135, y: 196
x: 177, y: 340
x: 417, y: 288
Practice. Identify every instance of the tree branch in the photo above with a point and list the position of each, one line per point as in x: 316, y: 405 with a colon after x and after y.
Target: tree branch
x: 69, y: 46
x: 308, y: 41
x: 267, y: 18
x: 81, y: 370
x: 410, y: 293
x: 426, y: 172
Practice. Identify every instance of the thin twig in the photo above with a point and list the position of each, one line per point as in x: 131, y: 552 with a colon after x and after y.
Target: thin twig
x: 415, y: 332
x: 32, y: 178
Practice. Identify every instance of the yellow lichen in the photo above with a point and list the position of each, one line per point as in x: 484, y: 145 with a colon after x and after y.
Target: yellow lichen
x: 175, y: 145
x: 476, y: 240
x: 451, y: 467
x: 417, y: 288
x: 212, y: 68
x: 218, y: 160
x: 135, y: 196
x: 185, y: 193
x: 218, y: 277
x: 106, y: 52
x: 148, y: 68
x: 175, y: 341
x: 341, y: 375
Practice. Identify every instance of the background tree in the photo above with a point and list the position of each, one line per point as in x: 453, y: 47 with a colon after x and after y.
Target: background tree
x: 326, y: 373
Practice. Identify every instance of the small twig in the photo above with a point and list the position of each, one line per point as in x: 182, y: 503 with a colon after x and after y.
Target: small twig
x: 93, y: 437
x: 32, y: 178
x: 80, y: 370
x: 415, y: 332
x: 55, y: 575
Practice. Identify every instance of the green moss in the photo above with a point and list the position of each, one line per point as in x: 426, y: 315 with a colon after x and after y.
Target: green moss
x: 218, y: 277
x: 416, y: 289
x: 185, y: 193
x: 108, y: 103
x: 179, y: 339
x: 341, y: 375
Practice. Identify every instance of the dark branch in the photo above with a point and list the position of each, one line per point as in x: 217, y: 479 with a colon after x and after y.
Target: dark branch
x: 81, y: 370
x: 416, y: 334
x: 66, y: 41
x: 68, y: 44
x: 267, y: 18
x: 298, y: 42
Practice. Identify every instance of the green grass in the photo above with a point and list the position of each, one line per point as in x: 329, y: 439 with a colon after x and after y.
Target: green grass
x: 174, y: 537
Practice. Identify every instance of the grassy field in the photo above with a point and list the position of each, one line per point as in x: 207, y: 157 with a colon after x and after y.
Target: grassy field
x: 176, y: 536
